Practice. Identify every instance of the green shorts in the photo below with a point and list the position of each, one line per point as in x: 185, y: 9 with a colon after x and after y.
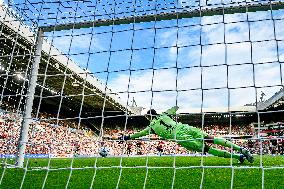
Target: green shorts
x: 191, y: 138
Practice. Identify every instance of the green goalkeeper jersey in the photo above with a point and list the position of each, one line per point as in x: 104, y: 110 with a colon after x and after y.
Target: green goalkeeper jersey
x: 165, y: 127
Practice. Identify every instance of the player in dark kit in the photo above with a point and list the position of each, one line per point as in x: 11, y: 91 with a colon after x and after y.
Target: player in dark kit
x: 189, y: 137
x: 160, y: 148
x: 128, y: 149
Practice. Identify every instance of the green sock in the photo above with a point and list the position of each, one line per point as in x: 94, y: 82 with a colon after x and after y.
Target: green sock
x: 223, y: 153
x: 226, y: 143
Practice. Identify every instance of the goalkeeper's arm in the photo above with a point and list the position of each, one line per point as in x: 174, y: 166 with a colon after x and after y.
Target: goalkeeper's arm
x: 147, y: 130
x: 171, y: 111
x: 144, y: 132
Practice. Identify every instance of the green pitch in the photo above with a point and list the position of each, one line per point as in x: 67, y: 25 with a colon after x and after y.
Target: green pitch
x: 160, y: 172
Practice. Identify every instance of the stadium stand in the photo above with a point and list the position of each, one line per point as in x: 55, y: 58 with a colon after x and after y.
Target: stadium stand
x: 65, y: 139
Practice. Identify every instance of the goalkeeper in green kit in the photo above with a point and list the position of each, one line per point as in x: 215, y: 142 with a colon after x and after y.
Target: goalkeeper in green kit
x: 189, y: 137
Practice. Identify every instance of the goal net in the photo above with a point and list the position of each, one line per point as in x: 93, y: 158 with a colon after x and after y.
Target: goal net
x: 76, y: 76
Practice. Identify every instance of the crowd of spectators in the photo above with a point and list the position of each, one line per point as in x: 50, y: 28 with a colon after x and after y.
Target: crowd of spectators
x: 234, y: 130
x: 46, y: 136
x: 64, y: 137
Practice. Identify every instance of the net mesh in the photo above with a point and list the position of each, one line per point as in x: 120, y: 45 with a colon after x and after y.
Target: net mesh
x: 104, y: 64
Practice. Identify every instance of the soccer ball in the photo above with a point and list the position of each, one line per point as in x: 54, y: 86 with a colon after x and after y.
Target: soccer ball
x: 103, y: 152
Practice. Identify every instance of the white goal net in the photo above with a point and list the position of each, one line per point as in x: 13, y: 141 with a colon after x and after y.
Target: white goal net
x: 77, y: 75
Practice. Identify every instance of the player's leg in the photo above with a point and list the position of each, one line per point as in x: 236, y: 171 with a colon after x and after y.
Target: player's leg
x: 222, y: 142
x: 198, y: 144
x: 229, y: 144
x: 223, y: 153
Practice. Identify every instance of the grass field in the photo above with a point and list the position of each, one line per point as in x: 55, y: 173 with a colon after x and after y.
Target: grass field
x: 160, y: 172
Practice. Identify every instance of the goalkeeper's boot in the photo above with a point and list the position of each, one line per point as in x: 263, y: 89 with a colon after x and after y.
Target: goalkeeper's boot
x: 242, y: 158
x: 247, y: 154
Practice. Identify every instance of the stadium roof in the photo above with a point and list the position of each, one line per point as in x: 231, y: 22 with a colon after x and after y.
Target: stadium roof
x: 220, y: 109
x: 273, y: 102
x: 56, y: 71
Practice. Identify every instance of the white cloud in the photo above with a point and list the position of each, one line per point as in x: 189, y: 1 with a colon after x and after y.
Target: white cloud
x: 190, y: 77
x: 212, y: 34
x: 79, y: 44
x: 62, y: 43
x: 237, y: 17
x: 209, y: 20
x: 119, y: 81
x: 215, y: 98
x: 265, y: 51
x: 165, y: 57
x: 279, y: 29
x: 267, y: 74
x: 242, y: 96
x: 261, y: 30
x: 189, y: 99
x: 166, y: 37
x: 164, y: 100
x: 259, y: 15
x: 141, y: 81
x: 281, y: 51
x: 240, y: 76
x: 236, y: 32
x: 213, y: 76
x: 165, y: 79
x: 238, y: 53
x: 213, y: 55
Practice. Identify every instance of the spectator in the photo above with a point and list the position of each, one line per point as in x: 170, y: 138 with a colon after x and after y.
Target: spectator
x: 63, y: 137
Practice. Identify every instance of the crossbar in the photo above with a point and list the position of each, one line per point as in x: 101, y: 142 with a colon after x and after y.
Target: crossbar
x: 252, y: 7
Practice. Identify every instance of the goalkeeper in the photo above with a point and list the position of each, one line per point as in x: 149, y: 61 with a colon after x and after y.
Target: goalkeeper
x: 187, y: 136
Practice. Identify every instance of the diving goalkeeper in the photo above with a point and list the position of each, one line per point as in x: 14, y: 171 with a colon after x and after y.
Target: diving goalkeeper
x: 189, y: 137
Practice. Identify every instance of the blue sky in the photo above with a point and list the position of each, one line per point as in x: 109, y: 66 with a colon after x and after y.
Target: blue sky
x: 187, y: 62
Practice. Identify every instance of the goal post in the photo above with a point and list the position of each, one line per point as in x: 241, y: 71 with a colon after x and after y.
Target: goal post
x: 27, y: 115
x: 76, y: 77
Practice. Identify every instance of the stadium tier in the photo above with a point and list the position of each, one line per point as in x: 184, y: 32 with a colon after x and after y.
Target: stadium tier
x: 17, y: 38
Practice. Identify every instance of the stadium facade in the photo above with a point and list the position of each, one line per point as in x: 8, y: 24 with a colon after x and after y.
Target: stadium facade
x: 56, y: 71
